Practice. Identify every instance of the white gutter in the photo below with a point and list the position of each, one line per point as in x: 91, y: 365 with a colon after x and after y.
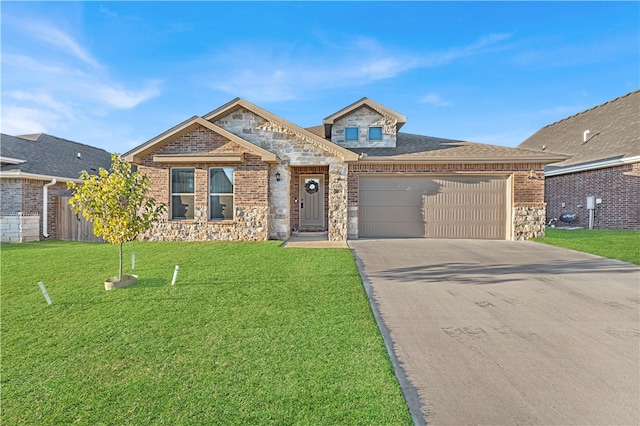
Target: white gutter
x: 459, y: 160
x: 9, y: 160
x: 45, y: 199
x: 17, y: 174
x: 592, y: 166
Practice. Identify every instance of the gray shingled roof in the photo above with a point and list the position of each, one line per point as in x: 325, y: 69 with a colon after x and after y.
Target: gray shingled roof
x: 424, y: 148
x: 614, y: 133
x: 51, y: 156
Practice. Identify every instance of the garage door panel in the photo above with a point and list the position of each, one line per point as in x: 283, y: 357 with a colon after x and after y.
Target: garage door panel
x: 441, y: 207
x: 392, y: 214
x: 392, y: 229
x: 416, y: 183
x: 390, y: 198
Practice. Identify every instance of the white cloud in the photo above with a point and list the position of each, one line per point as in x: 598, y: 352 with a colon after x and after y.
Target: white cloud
x: 434, y: 99
x: 57, y: 86
x: 40, y: 99
x: 52, y: 35
x: 118, y: 97
x: 108, y: 12
x: 275, y: 73
x: 21, y: 120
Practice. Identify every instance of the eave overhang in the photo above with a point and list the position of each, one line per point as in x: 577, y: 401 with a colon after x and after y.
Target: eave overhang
x: 460, y: 160
x: 9, y: 160
x: 19, y: 174
x: 592, y: 166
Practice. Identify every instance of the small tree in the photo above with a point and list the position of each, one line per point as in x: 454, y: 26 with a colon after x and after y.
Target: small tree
x: 115, y: 201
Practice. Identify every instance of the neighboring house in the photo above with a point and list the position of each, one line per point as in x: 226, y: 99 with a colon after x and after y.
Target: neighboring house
x: 34, y: 171
x: 243, y: 173
x: 600, y: 182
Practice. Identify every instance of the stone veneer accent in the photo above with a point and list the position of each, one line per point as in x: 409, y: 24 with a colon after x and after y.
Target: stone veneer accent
x: 363, y: 118
x: 249, y: 224
x: 528, y: 222
x: 293, y: 151
x: 19, y: 228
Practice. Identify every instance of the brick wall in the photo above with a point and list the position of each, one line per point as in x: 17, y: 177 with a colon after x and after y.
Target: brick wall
x: 25, y: 196
x: 251, y: 189
x: 618, y: 187
x: 10, y: 196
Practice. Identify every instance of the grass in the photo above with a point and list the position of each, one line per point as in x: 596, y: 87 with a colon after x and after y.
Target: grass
x: 250, y: 334
x: 621, y: 245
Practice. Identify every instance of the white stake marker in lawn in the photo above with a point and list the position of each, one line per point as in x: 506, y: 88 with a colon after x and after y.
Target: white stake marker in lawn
x: 44, y: 292
x: 133, y: 260
x: 175, y: 275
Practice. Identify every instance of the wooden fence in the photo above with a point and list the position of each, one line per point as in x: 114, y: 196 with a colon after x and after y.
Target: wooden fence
x: 70, y: 227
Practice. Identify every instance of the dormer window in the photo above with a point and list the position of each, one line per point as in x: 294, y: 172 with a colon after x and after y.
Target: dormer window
x: 351, y: 134
x: 375, y: 133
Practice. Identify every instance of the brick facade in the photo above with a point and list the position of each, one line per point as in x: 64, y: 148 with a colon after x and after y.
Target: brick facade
x: 618, y: 187
x: 24, y: 196
x: 251, y: 188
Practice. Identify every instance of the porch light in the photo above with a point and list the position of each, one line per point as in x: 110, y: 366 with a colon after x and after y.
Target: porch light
x: 278, y: 176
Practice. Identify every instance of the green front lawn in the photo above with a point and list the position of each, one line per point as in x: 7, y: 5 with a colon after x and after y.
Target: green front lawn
x: 621, y: 245
x: 250, y: 334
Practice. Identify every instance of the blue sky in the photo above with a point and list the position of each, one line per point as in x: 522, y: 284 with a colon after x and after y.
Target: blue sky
x: 115, y: 74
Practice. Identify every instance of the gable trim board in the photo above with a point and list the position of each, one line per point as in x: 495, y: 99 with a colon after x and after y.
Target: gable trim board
x: 271, y: 156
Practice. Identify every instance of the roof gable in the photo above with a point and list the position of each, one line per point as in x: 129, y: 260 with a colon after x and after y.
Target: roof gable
x: 46, y: 157
x: 279, y: 124
x: 134, y: 156
x: 613, y: 133
x: 398, y: 119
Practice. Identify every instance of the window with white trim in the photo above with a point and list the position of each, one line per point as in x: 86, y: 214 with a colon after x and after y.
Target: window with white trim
x: 221, y: 193
x: 351, y: 134
x: 375, y: 133
x: 182, y: 197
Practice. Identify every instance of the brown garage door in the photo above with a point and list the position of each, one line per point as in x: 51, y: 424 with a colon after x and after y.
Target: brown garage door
x: 432, y: 207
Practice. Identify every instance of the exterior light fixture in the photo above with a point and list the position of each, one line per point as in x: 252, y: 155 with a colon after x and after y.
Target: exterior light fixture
x: 278, y: 176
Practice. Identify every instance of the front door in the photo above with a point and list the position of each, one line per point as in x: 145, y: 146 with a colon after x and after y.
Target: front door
x: 311, y: 200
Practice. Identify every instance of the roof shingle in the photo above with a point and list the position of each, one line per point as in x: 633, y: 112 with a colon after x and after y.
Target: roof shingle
x: 614, y: 133
x: 51, y: 156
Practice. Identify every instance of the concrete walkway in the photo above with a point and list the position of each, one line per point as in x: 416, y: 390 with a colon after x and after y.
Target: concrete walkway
x: 313, y: 240
x: 505, y: 333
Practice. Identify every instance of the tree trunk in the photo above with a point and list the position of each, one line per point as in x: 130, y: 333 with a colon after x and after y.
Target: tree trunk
x: 120, y: 276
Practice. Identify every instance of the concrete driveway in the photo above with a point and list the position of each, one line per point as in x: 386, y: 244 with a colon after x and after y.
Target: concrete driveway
x: 505, y: 333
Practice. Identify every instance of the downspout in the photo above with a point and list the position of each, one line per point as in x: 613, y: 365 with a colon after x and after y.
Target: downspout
x: 45, y: 199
